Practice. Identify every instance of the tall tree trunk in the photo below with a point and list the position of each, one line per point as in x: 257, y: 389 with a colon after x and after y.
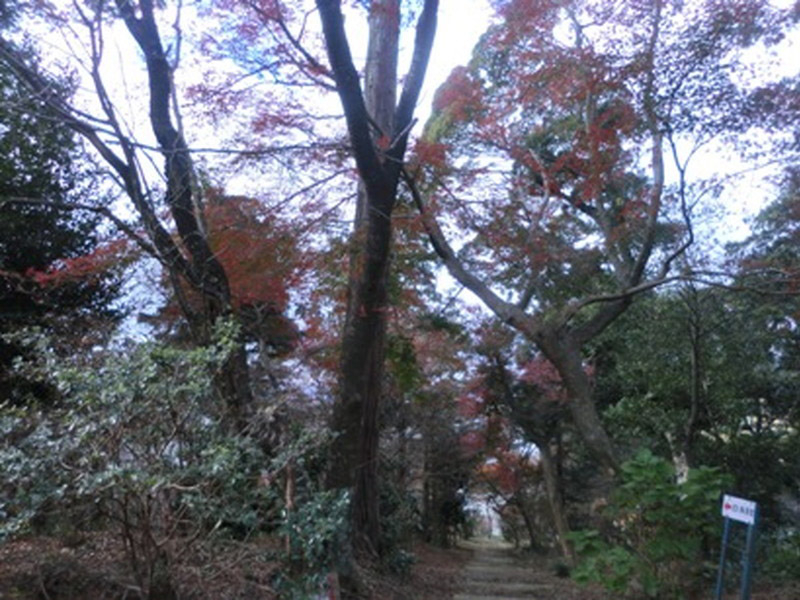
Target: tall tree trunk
x: 378, y: 128
x: 355, y: 416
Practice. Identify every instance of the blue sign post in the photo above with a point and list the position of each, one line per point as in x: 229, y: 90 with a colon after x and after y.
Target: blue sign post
x: 742, y: 511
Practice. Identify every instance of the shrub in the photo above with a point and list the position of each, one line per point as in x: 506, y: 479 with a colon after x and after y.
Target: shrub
x: 317, y: 527
x: 662, y: 531
x: 782, y: 560
x: 138, y: 436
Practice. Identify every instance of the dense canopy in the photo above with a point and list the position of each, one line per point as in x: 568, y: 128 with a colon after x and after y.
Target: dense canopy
x: 268, y: 324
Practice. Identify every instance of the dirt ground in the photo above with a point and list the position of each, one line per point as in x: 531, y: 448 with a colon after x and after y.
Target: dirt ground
x: 93, y: 567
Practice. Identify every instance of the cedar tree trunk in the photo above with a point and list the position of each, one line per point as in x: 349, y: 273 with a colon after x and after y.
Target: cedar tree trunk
x: 378, y: 131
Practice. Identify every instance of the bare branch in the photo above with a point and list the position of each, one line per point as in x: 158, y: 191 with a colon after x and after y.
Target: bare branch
x: 423, y: 44
x: 508, y: 312
x: 349, y: 89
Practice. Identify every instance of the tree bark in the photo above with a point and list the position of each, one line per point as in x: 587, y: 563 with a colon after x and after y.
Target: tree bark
x: 378, y: 129
x: 182, y: 197
x: 554, y: 499
x: 567, y: 358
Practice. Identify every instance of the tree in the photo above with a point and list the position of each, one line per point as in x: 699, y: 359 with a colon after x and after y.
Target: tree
x: 552, y: 147
x: 187, y: 256
x: 378, y: 128
x: 41, y: 173
x: 718, y: 389
x: 274, y: 43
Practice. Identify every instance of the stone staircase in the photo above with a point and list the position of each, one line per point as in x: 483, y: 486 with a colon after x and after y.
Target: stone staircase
x: 494, y: 574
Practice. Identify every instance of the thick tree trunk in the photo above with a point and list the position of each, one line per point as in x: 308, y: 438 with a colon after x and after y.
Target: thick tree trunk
x: 355, y: 417
x: 378, y: 128
x: 566, y: 357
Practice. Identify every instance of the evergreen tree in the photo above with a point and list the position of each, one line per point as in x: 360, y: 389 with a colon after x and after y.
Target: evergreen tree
x: 39, y: 174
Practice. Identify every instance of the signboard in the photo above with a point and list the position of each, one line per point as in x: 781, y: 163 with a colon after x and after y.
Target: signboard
x: 743, y: 511
x: 739, y: 509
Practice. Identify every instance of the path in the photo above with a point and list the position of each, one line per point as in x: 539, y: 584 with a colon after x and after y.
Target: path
x: 494, y: 574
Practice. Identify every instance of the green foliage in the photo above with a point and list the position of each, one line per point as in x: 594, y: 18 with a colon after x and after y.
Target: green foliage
x: 662, y: 531
x: 40, y: 166
x: 782, y: 557
x: 402, y: 362
x: 313, y: 530
x: 744, y: 384
x: 138, y: 437
x: 400, y: 521
x: 612, y: 566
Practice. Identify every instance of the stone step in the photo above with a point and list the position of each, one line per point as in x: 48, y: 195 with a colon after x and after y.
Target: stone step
x: 465, y: 596
x: 510, y: 589
x: 498, y: 560
x: 485, y: 573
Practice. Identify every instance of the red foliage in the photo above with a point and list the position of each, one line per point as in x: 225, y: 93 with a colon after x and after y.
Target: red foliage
x: 541, y: 373
x: 431, y: 154
x: 460, y: 95
x: 87, y: 267
x: 259, y: 255
x: 473, y: 442
x: 508, y: 469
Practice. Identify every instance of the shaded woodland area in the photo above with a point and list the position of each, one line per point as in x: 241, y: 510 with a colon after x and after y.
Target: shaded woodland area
x: 269, y: 329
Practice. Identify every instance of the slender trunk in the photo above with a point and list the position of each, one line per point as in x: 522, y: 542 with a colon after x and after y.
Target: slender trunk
x: 528, y: 520
x: 696, y: 374
x: 182, y: 197
x: 288, y: 501
x: 554, y: 499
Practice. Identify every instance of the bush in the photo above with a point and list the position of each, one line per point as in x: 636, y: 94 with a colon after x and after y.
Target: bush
x: 139, y: 437
x: 782, y: 562
x: 662, y: 531
x: 312, y: 531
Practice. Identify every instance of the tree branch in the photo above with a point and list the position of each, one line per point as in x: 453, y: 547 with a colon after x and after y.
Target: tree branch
x: 100, y: 210
x: 352, y: 98
x: 126, y: 170
x: 423, y: 44
x: 508, y: 312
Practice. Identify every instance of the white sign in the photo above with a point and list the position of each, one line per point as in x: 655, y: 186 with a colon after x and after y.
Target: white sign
x: 739, y: 509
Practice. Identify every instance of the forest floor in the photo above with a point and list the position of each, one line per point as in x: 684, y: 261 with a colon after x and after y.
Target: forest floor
x: 93, y: 567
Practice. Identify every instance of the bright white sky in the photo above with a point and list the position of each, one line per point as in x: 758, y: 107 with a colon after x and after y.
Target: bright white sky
x: 461, y: 22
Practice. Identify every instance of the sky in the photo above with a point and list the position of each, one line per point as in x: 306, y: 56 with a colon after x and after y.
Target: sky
x: 461, y: 22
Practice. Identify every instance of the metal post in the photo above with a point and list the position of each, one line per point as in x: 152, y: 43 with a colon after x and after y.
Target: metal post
x: 726, y: 533
x: 749, y: 558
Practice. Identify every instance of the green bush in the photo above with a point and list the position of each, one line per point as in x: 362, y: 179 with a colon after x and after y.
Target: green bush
x: 313, y: 531
x: 138, y: 436
x: 782, y: 559
x: 662, y: 532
